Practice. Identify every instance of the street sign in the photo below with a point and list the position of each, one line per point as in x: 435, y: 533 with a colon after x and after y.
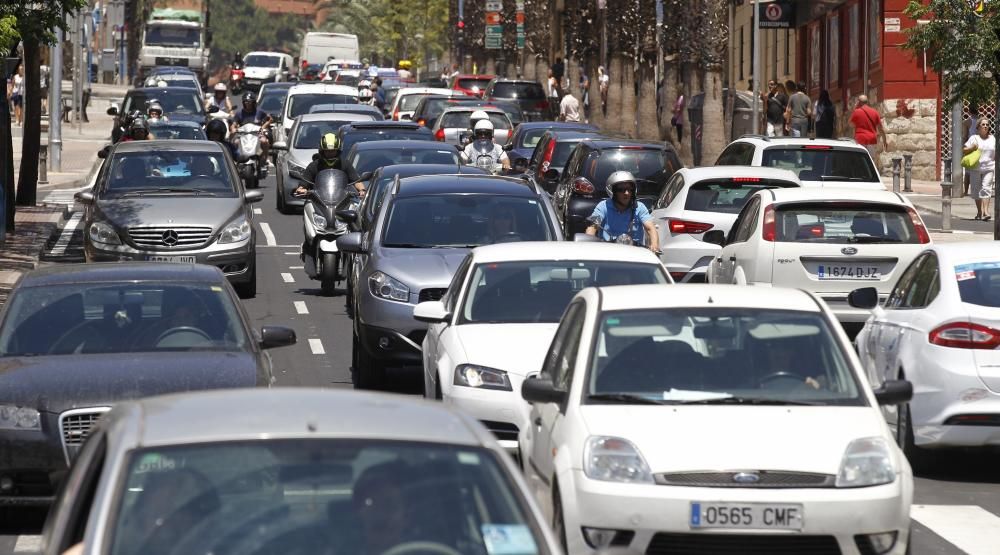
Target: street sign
x: 493, y: 18
x: 977, y: 6
x: 494, y: 5
x: 520, y: 40
x: 776, y: 15
x: 494, y: 42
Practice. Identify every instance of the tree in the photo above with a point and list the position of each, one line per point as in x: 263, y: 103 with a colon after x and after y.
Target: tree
x: 8, y: 44
x: 712, y: 56
x: 240, y: 26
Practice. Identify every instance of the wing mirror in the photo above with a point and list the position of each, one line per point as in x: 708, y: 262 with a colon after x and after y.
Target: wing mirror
x: 865, y: 298
x: 279, y: 145
x: 365, y: 176
x: 541, y: 390
x: 84, y: 197
x: 520, y: 165
x: 276, y: 336
x: 251, y: 197
x: 715, y: 237
x: 894, y: 392
x: 113, y: 109
x: 432, y: 312
x: 350, y: 242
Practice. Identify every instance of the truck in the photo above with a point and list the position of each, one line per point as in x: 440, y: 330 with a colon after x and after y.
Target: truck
x: 176, y: 37
x: 319, y: 48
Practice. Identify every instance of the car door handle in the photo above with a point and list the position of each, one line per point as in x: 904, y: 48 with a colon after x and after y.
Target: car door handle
x: 732, y: 259
x: 538, y: 421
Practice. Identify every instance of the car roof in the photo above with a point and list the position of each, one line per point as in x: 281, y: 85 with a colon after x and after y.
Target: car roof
x: 572, y: 135
x: 510, y: 80
x: 410, y: 170
x: 467, y: 184
x: 168, y: 145
x: 152, y: 90
x: 716, y: 172
x: 361, y: 125
x: 327, y: 88
x: 605, y: 143
x: 266, y: 53
x: 117, y: 272
x: 475, y: 76
x: 334, y: 114
x: 403, y: 144
x: 561, y: 250
x: 314, y: 413
x: 406, y: 91
x: 487, y: 109
x: 278, y: 85
x: 794, y: 194
x: 643, y: 297
x: 967, y: 251
x: 554, y: 125
x: 766, y: 141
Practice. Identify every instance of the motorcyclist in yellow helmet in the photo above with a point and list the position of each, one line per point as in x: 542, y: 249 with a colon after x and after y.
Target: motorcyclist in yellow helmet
x: 328, y: 158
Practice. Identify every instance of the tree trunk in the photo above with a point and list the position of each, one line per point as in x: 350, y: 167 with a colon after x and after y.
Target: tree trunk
x: 714, y: 130
x: 648, y: 127
x: 597, y: 117
x: 628, y: 98
x: 27, y: 185
x: 7, y: 151
x: 670, y: 92
x: 614, y: 123
x: 530, y: 66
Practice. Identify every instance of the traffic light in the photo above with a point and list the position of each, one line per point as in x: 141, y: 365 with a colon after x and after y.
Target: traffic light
x: 460, y: 33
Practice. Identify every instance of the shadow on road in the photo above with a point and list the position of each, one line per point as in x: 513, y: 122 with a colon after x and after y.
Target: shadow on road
x: 962, y: 465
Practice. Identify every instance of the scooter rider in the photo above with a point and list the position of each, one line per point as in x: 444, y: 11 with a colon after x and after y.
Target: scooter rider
x: 138, y: 130
x: 476, y: 117
x: 220, y: 99
x: 483, y: 144
x: 216, y: 131
x: 621, y: 218
x: 251, y: 114
x: 328, y: 158
x: 155, y: 113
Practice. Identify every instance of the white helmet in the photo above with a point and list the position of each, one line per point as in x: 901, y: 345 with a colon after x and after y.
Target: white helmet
x: 364, y: 94
x: 476, y: 117
x: 617, y: 177
x: 483, y: 130
x: 220, y: 87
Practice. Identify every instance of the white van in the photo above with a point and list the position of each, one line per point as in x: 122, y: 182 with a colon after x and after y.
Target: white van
x: 265, y: 67
x: 318, y: 48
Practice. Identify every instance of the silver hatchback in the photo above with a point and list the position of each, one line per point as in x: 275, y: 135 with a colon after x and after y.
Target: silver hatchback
x: 455, y: 121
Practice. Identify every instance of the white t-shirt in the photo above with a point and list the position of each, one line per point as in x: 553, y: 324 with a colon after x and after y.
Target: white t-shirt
x: 987, y: 148
x: 18, y: 85
x: 569, y: 108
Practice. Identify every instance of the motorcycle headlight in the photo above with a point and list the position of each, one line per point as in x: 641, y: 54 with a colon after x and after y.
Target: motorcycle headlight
x: 481, y: 377
x: 295, y: 170
x: 101, y: 232
x: 867, y: 462
x: 319, y: 221
x: 614, y: 459
x: 384, y: 286
x: 236, y: 231
x: 19, y: 418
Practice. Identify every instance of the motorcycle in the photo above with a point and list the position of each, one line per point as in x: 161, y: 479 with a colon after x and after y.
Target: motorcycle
x: 485, y: 158
x: 236, y: 77
x: 248, y: 151
x: 324, y: 219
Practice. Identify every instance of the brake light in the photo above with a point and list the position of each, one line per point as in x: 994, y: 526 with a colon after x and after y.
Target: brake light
x: 965, y: 335
x: 583, y: 186
x: 422, y: 121
x: 547, y: 160
x: 543, y: 105
x: 918, y: 225
x: 745, y: 180
x: 439, y: 135
x: 395, y: 115
x: 817, y: 147
x: 768, y: 231
x: 305, y: 63
x: 687, y: 226
x: 678, y: 276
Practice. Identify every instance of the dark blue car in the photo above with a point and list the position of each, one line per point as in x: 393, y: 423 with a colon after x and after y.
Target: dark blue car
x: 526, y: 135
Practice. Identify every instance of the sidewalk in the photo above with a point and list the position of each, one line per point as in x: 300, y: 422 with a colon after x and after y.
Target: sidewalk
x: 35, y: 227
x: 926, y: 196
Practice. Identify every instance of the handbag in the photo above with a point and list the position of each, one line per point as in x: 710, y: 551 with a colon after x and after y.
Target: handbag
x: 971, y: 160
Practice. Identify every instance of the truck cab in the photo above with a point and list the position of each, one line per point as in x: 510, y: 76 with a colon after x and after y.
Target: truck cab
x: 175, y: 38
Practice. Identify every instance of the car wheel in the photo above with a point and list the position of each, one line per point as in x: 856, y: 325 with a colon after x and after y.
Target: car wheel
x: 279, y: 198
x: 904, y: 436
x: 248, y: 290
x: 368, y: 372
x: 558, y: 523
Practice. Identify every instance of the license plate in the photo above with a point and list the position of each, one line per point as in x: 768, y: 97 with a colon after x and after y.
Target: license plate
x: 327, y: 246
x: 756, y: 516
x: 253, y: 81
x: 849, y: 271
x: 178, y: 259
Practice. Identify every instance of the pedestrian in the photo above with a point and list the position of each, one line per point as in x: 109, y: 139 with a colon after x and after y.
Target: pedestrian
x: 826, y: 116
x: 970, y: 129
x: 799, y: 110
x: 454, y: 72
x: 585, y: 90
x: 777, y: 103
x: 677, y: 120
x: 16, y: 95
x: 868, y: 129
x: 983, y: 175
x: 86, y: 99
x: 558, y: 70
x: 602, y: 86
x: 552, y: 88
x: 569, y: 108
x: 43, y: 86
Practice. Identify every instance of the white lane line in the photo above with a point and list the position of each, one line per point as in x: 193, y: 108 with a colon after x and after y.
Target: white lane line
x: 268, y: 234
x: 281, y: 247
x: 296, y: 267
x: 300, y: 307
x: 287, y: 277
x: 316, y: 346
x: 67, y: 234
x: 970, y: 528
x: 296, y: 252
x: 28, y: 544
x: 258, y: 211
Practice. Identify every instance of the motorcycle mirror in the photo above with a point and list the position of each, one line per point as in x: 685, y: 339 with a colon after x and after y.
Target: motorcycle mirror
x: 213, y: 109
x: 347, y: 215
x: 103, y: 153
x: 508, y: 147
x: 113, y: 109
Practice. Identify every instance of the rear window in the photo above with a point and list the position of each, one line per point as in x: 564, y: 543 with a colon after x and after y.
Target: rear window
x: 518, y: 90
x: 301, y: 103
x: 844, y: 223
x: 461, y: 119
x: 979, y: 283
x: 651, y: 168
x: 531, y: 137
x: 819, y: 163
x: 409, y: 102
x: 469, y: 83
x: 727, y: 196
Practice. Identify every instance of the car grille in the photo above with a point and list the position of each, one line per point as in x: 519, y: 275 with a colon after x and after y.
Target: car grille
x: 75, y: 426
x: 170, y: 237
x: 766, y: 479
x: 502, y: 430
x: 434, y: 294
x: 699, y: 544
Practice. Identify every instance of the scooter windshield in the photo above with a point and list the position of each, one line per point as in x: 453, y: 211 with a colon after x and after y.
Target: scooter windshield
x: 332, y: 187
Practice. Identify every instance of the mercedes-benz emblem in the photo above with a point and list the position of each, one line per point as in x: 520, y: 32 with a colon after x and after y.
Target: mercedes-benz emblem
x: 746, y: 477
x: 169, y: 238
x: 849, y: 250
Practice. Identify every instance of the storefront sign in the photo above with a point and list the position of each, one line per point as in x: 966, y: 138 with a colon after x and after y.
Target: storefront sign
x: 776, y: 15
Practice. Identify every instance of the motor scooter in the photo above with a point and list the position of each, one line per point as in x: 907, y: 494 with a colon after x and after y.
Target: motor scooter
x: 248, y: 151
x: 484, y: 158
x: 236, y: 78
x: 329, y: 205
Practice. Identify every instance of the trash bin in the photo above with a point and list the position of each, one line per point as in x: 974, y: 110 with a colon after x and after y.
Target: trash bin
x: 742, y: 115
x: 696, y: 121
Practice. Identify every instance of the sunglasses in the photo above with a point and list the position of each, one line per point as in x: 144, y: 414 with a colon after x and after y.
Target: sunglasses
x: 624, y: 188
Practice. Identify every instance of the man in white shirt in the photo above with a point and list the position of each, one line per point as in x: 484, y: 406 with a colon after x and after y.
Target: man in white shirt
x: 569, y: 108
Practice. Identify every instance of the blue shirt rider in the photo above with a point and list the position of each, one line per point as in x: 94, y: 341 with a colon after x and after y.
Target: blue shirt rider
x: 621, y: 214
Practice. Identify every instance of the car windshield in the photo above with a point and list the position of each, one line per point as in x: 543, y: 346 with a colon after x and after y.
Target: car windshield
x: 311, y: 132
x: 262, y: 60
x: 164, y: 35
x: 301, y: 103
x: 469, y: 83
x: 355, y: 136
x: 173, y: 102
x: 176, y: 132
x: 371, y: 159
x: 518, y: 91
x: 720, y: 355
x: 169, y: 172
x: 347, y: 79
x: 538, y: 292
x: 174, y: 80
x: 408, y: 102
x: 70, y: 319
x: 429, y: 221
x: 460, y: 120
x: 273, y: 102
x: 727, y: 195
x: 837, y: 222
x: 320, y: 496
x: 979, y: 283
x: 651, y: 168
x: 819, y: 162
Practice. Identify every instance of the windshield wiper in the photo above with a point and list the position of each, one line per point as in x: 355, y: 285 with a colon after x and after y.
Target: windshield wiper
x: 137, y: 192
x: 746, y: 401
x: 627, y: 399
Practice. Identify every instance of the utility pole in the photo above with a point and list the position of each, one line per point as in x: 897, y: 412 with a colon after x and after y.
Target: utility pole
x: 755, y: 66
x: 55, y: 103
x: 83, y: 69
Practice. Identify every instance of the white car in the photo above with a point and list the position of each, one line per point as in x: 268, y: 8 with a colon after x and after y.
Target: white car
x: 496, y: 321
x: 827, y: 241
x: 817, y: 162
x: 266, y: 67
x: 940, y: 329
x: 713, y: 419
x: 406, y: 100
x: 696, y: 200
x: 303, y: 97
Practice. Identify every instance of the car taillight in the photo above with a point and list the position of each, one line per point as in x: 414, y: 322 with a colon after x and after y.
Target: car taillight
x: 745, y: 179
x: 965, y: 335
x: 817, y: 147
x: 583, y: 186
x: 439, y: 135
x: 395, y: 115
x: 918, y: 225
x: 687, y: 226
x: 678, y: 276
x: 769, y: 231
x: 547, y: 159
x: 543, y: 105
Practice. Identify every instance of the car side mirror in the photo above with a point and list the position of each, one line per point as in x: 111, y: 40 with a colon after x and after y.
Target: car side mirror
x: 251, y: 197
x: 84, y: 197
x: 276, y: 336
x: 541, y: 390
x: 365, y: 176
x: 894, y: 392
x: 103, y: 153
x: 865, y: 297
x: 586, y: 238
x: 508, y: 147
x: 432, y: 312
x: 113, y: 109
x: 279, y: 145
x: 350, y: 242
x: 347, y: 215
x: 715, y: 237
x: 551, y: 175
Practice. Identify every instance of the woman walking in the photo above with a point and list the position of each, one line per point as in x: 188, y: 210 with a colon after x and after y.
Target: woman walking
x: 826, y: 116
x: 983, y: 175
x: 17, y: 96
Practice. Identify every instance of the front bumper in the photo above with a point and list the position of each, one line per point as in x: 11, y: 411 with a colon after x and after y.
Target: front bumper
x: 236, y: 260
x: 647, y: 510
x: 34, y: 462
x: 503, y: 413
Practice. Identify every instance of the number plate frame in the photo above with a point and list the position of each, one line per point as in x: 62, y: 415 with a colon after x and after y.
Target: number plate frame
x: 174, y: 259
x: 752, y: 516
x: 848, y: 272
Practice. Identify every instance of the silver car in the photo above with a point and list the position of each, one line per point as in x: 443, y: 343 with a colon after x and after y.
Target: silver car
x: 293, y: 471
x: 302, y: 146
x: 424, y: 229
x: 172, y: 201
x: 455, y: 121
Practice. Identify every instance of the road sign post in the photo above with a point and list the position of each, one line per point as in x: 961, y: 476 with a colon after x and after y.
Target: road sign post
x: 494, y: 25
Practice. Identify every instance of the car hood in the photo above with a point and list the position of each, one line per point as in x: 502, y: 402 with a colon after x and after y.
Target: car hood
x: 179, y: 211
x: 700, y: 438
x: 421, y: 268
x: 260, y: 72
x: 521, y: 351
x: 62, y: 382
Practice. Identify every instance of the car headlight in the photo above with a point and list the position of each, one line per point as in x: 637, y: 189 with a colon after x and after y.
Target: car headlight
x: 614, y: 459
x: 19, y: 418
x: 319, y: 221
x: 386, y: 287
x: 481, y: 377
x: 238, y: 230
x: 867, y: 462
x: 101, y: 232
x: 295, y: 170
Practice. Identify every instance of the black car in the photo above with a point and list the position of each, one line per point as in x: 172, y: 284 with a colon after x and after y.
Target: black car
x: 271, y: 98
x: 364, y: 158
x: 528, y: 95
x: 548, y: 160
x: 377, y: 185
x: 365, y: 131
x: 582, y: 184
x: 179, y: 104
x: 77, y: 338
x: 522, y: 142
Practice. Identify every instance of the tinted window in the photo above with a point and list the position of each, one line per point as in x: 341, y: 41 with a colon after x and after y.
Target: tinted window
x: 176, y: 132
x: 371, y: 159
x: 461, y: 120
x: 518, y: 91
x: 725, y: 195
x: 273, y: 102
x: 158, y: 35
x: 409, y: 102
x: 169, y: 173
x: 301, y: 103
x: 531, y: 137
x: 651, y: 168
x: 310, y: 132
x: 979, y: 283
x: 840, y: 223
x: 260, y: 60
x: 561, y: 153
x: 349, y: 80
x: 815, y: 164
x: 173, y: 102
x: 464, y: 220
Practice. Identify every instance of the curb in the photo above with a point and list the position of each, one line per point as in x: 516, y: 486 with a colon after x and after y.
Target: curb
x: 23, y: 250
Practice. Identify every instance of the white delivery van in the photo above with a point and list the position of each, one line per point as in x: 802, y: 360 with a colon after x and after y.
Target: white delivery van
x: 318, y: 48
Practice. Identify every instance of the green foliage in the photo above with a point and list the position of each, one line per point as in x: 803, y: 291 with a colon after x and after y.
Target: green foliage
x: 961, y: 47
x: 8, y: 33
x: 395, y: 29
x: 36, y: 20
x: 239, y: 25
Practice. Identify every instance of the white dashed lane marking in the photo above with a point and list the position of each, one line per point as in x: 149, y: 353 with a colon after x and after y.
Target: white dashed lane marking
x: 970, y: 528
x: 268, y: 234
x: 258, y: 211
x: 296, y: 267
x: 300, y: 307
x: 67, y: 234
x: 287, y: 277
x: 28, y: 544
x: 316, y: 346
